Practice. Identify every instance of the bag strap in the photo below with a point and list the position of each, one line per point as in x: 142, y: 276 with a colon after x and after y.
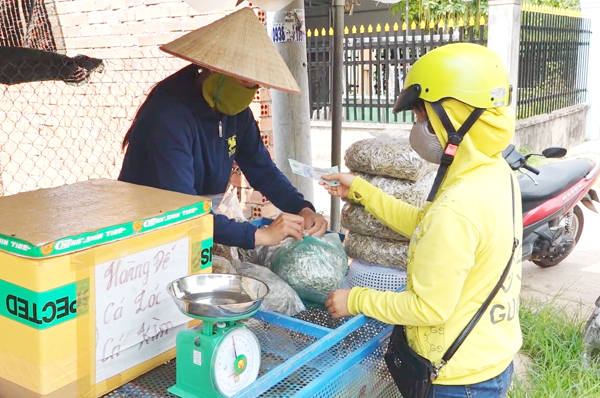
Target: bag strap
x: 454, y: 140
x: 463, y: 335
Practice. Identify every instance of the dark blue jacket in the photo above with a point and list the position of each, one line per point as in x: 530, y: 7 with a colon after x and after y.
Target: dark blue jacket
x: 174, y: 144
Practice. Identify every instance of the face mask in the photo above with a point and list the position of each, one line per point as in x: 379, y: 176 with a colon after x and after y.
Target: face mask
x: 425, y: 143
x: 226, y: 95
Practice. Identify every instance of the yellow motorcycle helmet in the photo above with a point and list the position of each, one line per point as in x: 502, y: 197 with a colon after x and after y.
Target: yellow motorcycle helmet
x: 467, y: 72
x: 470, y: 73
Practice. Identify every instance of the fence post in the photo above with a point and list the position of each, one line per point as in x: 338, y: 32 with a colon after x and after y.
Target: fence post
x: 591, y: 9
x: 504, y: 32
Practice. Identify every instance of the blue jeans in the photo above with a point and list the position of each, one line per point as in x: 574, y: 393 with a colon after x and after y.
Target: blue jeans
x: 493, y: 388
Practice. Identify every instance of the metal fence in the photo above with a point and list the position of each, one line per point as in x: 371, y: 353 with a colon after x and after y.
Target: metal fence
x: 376, y: 60
x: 553, y: 63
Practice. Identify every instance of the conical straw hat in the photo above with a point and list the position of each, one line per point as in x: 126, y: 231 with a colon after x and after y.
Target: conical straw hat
x: 236, y: 45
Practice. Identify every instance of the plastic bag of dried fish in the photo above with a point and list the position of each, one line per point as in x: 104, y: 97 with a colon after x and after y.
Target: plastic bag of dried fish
x: 356, y: 219
x: 414, y: 193
x: 281, y: 298
x: 377, y: 251
x: 386, y: 156
x: 261, y: 255
x: 221, y: 265
x: 314, y: 267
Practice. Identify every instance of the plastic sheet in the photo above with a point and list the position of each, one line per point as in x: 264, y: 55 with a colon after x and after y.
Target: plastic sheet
x: 314, y: 267
x: 356, y: 219
x: 386, y: 156
x: 414, y: 193
x: 221, y: 265
x: 281, y: 298
x: 377, y: 251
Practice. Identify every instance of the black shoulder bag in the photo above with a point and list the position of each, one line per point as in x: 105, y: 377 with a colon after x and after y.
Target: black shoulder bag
x: 414, y: 374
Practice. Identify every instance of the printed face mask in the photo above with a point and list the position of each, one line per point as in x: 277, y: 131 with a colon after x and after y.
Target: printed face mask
x: 425, y: 143
x: 226, y: 95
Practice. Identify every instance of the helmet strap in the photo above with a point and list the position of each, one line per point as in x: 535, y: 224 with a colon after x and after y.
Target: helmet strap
x: 454, y: 140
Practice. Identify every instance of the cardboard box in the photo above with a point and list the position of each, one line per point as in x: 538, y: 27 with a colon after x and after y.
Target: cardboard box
x: 83, y: 275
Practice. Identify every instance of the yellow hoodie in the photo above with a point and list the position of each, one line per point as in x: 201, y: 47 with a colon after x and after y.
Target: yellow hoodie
x: 460, y: 245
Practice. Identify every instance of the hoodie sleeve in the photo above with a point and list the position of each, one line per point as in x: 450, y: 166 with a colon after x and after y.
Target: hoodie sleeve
x: 262, y: 173
x: 229, y: 232
x: 442, y: 259
x: 396, y: 214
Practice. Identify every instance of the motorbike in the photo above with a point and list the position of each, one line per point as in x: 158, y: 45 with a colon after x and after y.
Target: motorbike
x: 553, y: 219
x: 551, y: 194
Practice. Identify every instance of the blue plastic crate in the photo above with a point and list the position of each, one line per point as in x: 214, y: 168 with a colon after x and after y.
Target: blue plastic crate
x: 310, y: 355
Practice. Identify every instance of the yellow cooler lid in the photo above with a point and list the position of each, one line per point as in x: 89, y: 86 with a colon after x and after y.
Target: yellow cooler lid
x: 57, y: 221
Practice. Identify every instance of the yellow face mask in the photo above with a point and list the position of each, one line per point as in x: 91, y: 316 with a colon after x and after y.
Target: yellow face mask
x: 226, y: 95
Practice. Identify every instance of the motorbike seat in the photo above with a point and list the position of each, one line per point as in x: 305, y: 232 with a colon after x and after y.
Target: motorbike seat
x: 553, y: 179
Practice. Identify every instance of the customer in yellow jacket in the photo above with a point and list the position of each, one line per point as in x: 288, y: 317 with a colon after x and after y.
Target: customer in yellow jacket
x: 462, y: 238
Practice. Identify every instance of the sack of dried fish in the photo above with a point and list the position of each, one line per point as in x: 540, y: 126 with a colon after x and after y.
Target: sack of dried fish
x: 386, y: 156
x: 314, y: 267
x: 356, y: 219
x: 414, y: 193
x: 221, y: 265
x: 377, y: 251
x: 281, y: 298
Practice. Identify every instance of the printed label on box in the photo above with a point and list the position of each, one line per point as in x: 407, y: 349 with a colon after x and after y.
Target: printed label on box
x: 107, y: 235
x: 202, y: 255
x: 43, y: 310
x: 136, y: 319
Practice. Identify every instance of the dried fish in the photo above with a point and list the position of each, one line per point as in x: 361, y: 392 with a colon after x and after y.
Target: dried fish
x: 221, y: 265
x: 356, y: 219
x: 386, y: 156
x: 377, y: 251
x: 314, y: 267
x: 414, y: 193
x: 281, y: 298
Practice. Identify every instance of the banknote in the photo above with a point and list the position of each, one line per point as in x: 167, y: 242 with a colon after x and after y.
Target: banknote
x: 314, y: 173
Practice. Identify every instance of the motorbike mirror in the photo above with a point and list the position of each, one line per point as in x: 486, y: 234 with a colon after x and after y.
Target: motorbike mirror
x: 554, y: 152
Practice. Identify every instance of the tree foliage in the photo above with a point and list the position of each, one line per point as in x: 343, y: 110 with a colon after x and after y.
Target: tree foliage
x: 438, y: 9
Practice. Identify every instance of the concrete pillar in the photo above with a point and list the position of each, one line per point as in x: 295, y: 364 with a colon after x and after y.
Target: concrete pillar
x: 291, y: 112
x: 504, y: 31
x: 591, y: 9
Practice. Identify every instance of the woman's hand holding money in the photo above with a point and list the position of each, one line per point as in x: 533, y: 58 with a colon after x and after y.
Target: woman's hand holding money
x: 345, y: 180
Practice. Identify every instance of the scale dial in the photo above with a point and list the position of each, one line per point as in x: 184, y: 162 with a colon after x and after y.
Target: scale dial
x: 236, y: 361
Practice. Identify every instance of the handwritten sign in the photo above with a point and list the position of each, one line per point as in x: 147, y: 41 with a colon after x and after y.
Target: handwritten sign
x: 135, y: 317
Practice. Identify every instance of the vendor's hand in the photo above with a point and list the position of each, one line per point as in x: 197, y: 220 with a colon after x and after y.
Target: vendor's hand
x: 345, y: 180
x: 285, y: 225
x: 337, y: 305
x: 314, y: 224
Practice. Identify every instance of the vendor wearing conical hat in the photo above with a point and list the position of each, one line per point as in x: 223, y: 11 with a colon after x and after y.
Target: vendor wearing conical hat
x: 196, y: 123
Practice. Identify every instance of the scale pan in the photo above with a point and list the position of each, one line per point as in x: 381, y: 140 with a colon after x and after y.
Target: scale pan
x: 218, y: 296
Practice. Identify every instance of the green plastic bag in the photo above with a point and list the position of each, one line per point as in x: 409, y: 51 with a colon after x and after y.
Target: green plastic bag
x: 314, y: 267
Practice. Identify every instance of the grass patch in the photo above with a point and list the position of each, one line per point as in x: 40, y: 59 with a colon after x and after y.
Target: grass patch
x: 552, y: 337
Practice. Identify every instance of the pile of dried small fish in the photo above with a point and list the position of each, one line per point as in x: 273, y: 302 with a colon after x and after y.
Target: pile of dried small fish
x: 377, y: 251
x: 356, y: 219
x: 414, y: 193
x: 386, y: 156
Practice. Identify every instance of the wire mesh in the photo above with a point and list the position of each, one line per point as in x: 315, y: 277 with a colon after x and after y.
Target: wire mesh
x: 54, y: 133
